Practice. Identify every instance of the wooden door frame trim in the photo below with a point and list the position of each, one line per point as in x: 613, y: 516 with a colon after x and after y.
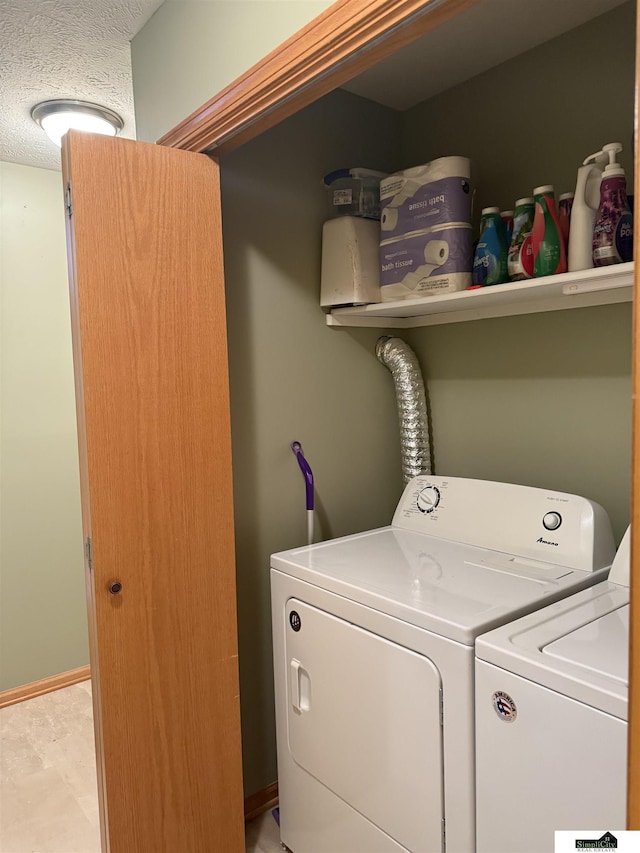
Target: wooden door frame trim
x: 346, y: 39
x: 633, y: 751
x: 44, y: 685
x: 261, y: 801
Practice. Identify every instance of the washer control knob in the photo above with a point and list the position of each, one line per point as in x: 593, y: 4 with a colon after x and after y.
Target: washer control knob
x: 428, y: 499
x: 552, y: 520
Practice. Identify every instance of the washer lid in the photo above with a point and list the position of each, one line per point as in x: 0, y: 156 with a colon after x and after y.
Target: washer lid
x: 601, y: 647
x: 455, y: 590
x: 578, y: 647
x: 621, y: 566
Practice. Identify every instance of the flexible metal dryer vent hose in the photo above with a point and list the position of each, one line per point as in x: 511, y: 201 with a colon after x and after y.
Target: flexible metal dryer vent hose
x: 415, y: 448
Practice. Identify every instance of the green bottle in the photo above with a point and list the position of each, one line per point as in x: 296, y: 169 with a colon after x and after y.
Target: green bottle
x: 549, y: 255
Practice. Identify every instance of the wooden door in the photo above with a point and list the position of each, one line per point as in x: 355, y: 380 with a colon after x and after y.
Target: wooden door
x: 150, y: 360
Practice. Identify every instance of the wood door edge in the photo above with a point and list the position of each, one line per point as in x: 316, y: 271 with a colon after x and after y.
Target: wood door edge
x: 346, y: 39
x: 28, y: 691
x: 68, y: 142
x: 633, y: 753
x: 260, y: 802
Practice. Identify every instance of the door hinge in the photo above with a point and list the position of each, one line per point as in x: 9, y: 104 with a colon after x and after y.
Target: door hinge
x: 67, y: 200
x: 441, y: 708
x: 88, y: 552
x: 444, y: 834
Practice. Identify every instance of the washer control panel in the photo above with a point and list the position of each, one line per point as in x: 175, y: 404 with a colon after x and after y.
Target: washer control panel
x: 553, y: 527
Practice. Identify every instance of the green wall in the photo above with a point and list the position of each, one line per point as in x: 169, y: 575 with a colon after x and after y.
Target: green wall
x: 534, y: 119
x: 543, y: 399
x: 293, y: 378
x: 43, y: 622
x: 191, y: 49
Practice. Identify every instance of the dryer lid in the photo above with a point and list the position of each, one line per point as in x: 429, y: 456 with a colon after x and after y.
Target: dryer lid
x: 454, y: 590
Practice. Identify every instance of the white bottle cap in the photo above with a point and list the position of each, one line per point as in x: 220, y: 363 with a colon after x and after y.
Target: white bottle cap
x: 614, y: 148
x: 527, y: 200
x: 506, y: 213
x: 490, y: 210
x: 547, y: 188
x: 565, y: 196
x: 614, y: 169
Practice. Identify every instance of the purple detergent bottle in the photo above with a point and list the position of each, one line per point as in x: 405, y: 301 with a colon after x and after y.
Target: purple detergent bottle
x: 613, y: 229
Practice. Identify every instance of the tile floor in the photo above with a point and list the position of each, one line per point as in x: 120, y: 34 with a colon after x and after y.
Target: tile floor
x: 263, y: 835
x: 48, y: 795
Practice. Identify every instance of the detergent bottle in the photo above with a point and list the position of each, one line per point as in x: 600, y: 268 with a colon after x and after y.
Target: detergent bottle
x: 613, y: 230
x: 507, y: 220
x: 583, y: 211
x: 490, y: 258
x: 520, y: 256
x: 549, y: 256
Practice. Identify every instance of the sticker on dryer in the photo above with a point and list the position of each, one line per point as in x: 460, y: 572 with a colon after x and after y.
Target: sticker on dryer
x: 504, y: 706
x: 295, y: 621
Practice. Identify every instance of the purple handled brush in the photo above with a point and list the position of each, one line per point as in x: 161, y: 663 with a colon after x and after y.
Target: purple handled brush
x: 307, y: 473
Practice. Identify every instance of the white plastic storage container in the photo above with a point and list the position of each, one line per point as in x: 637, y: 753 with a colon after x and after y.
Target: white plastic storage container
x: 355, y: 192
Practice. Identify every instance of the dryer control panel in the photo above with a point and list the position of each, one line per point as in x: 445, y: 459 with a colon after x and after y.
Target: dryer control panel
x: 552, y: 527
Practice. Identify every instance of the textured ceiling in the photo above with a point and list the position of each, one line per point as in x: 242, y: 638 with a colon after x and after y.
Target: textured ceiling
x: 63, y: 49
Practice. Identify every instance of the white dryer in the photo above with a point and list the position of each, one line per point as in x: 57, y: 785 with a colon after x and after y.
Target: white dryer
x: 551, y: 717
x: 373, y: 638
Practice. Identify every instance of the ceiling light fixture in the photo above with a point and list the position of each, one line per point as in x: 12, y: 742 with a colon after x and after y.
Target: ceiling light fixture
x: 59, y: 116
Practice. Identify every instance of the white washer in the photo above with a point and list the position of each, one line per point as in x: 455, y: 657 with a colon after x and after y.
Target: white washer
x: 373, y: 638
x: 551, y: 717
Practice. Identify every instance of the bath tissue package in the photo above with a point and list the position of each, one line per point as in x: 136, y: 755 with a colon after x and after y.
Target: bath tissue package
x: 426, y: 239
